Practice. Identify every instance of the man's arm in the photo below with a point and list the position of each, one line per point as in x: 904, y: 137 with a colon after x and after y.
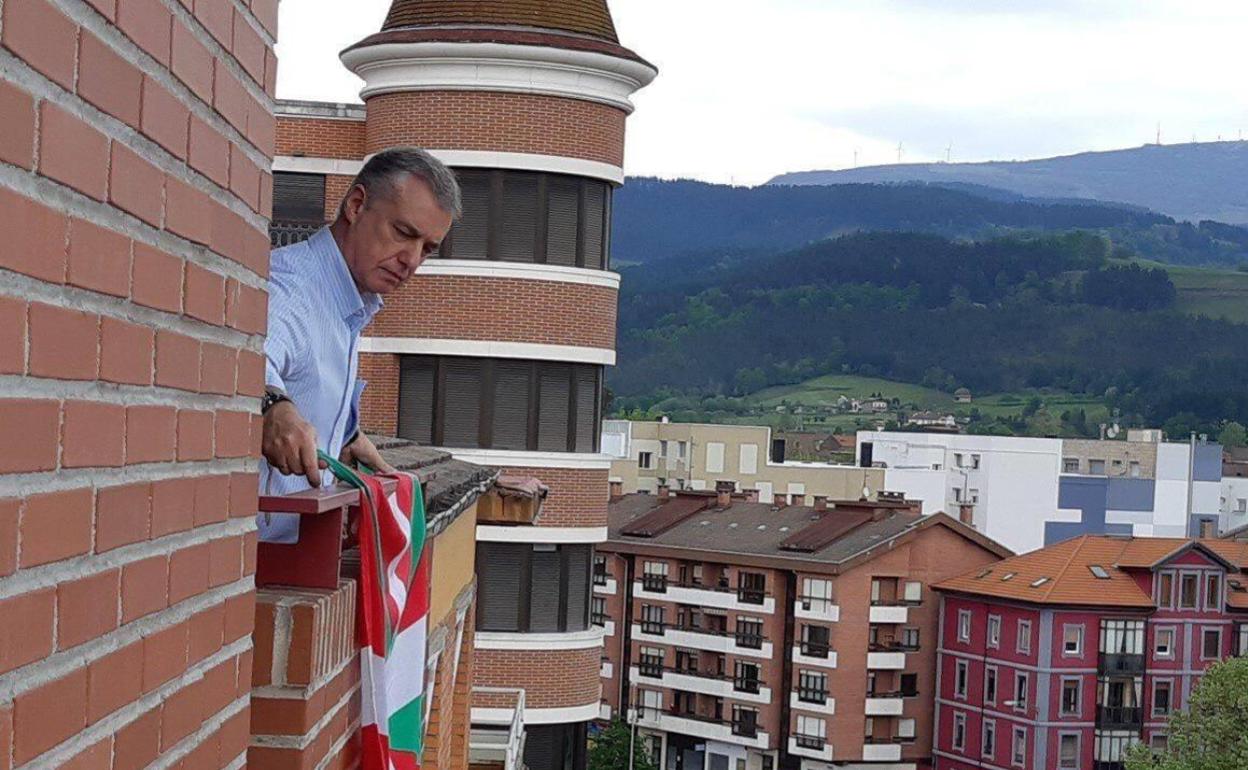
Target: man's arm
x: 363, y: 451
x: 288, y: 441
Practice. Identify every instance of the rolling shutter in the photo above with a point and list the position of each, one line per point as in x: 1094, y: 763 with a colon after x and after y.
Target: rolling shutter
x: 519, y: 223
x: 511, y: 404
x: 298, y: 197
x: 499, y: 566
x: 579, y: 556
x: 416, y: 398
x: 552, y: 424
x: 471, y: 234
x: 606, y: 235
x: 561, y: 222
x: 462, y: 399
x: 587, y: 423
x: 544, y: 595
x: 595, y: 211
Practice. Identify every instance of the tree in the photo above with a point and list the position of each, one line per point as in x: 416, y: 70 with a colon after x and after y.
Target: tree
x: 1213, y: 733
x: 609, y: 749
x: 1233, y: 435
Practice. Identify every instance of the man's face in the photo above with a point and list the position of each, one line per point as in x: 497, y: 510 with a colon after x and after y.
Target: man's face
x: 389, y: 236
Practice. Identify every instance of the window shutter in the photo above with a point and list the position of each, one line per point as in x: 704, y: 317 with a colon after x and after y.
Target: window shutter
x: 462, y: 410
x: 471, y: 233
x: 552, y: 428
x: 578, y: 586
x: 298, y: 197
x: 511, y: 404
x: 416, y: 398
x: 498, y: 586
x: 561, y: 222
x: 606, y: 236
x: 544, y: 595
x: 543, y: 747
x: 595, y: 205
x: 586, y: 408
x: 519, y: 233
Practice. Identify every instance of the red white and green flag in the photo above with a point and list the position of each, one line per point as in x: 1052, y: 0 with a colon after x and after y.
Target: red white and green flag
x: 392, y: 626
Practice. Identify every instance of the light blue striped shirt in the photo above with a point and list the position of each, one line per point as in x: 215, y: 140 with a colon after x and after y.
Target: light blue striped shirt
x: 316, y: 314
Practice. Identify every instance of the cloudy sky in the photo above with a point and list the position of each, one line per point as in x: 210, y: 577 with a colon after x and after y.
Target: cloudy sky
x: 745, y: 93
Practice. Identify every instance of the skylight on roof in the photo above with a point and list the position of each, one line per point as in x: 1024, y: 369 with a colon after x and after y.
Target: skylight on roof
x: 983, y: 574
x: 1039, y: 582
x: 1008, y: 576
x: 1236, y: 585
x: 1098, y: 571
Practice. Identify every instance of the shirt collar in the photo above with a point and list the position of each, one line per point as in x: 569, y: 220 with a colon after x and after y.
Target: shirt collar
x: 351, y: 304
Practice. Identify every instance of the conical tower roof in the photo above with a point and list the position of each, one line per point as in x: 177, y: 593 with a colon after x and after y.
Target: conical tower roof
x: 583, y: 17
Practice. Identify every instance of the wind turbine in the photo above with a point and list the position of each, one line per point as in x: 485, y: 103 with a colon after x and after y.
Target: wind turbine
x: 949, y: 152
x: 900, y: 149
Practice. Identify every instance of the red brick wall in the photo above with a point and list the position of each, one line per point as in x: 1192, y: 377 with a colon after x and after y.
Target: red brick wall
x: 550, y: 678
x: 500, y: 309
x: 379, y: 404
x: 336, y: 187
x: 135, y: 139
x: 578, y: 497
x: 320, y: 137
x: 499, y: 122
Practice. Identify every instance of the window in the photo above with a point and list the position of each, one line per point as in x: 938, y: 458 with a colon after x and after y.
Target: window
x: 1208, y: 528
x: 910, y: 638
x: 651, y: 662
x: 964, y: 626
x: 959, y: 732
x: 687, y: 661
x: 1111, y: 746
x: 989, y: 746
x: 1072, y: 640
x: 746, y: 677
x: 1241, y: 640
x: 957, y: 459
x: 1159, y: 742
x: 1165, y: 589
x: 654, y: 576
x: 990, y: 684
x: 1210, y: 644
x: 905, y: 729
x: 1018, y: 756
x: 744, y: 721
x: 652, y: 619
x: 714, y: 457
x: 812, y: 686
x: 750, y: 633
x: 961, y: 669
x: 816, y: 595
x: 1213, y: 591
x: 1023, y: 646
x: 1134, y: 468
x: 598, y: 611
x: 975, y: 459
x: 909, y: 685
x: 1188, y: 589
x: 1241, y: 505
x: 1070, y: 465
x: 747, y: 461
x: 555, y: 747
x: 1068, y: 751
x: 815, y: 641
x: 913, y: 592
x: 1096, y: 467
x: 533, y: 588
x: 1161, y: 697
x: 600, y: 570
x: 1070, y: 697
x: 645, y: 461
x: 1163, y: 643
x: 994, y: 631
x: 811, y: 732
x: 1122, y: 637
x: 1098, y: 572
x: 651, y: 704
x: 1020, y: 691
x: 484, y: 403
x: 751, y: 587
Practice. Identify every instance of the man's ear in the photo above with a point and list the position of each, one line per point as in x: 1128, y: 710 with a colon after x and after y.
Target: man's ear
x: 354, y: 203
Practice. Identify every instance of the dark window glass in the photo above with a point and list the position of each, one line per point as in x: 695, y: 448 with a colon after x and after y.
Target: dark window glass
x: 555, y: 747
x: 909, y: 685
x: 815, y: 641
x: 298, y: 198
x: 522, y: 587
x: 750, y: 633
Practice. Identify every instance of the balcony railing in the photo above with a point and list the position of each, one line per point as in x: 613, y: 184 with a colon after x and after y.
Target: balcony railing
x: 751, y: 595
x: 807, y: 695
x: 814, y: 742
x: 748, y: 640
x: 815, y: 649
x: 892, y: 646
x: 599, y: 618
x: 653, y: 627
x: 491, y: 747
x: 651, y: 668
x: 1119, y: 716
x: 879, y: 740
x: 1121, y: 663
x: 1102, y: 764
x: 287, y: 233
x: 816, y: 603
x: 745, y: 727
x: 600, y: 578
x: 654, y: 583
x: 744, y: 684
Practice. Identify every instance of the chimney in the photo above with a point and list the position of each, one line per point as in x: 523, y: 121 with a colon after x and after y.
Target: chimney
x: 665, y: 491
x: 617, y: 489
x: 821, y: 503
x: 966, y: 514
x: 799, y: 499
x: 780, y: 500
x: 723, y: 493
x: 751, y: 495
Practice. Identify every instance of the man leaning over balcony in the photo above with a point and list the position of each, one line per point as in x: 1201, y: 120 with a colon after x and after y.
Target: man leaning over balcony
x: 322, y: 293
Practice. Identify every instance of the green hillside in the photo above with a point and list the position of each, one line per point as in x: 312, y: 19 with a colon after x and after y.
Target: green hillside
x: 1210, y: 292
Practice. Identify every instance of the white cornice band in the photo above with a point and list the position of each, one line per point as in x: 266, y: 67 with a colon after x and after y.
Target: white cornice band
x: 548, y: 716
x: 528, y: 351
x: 515, y: 161
x: 445, y: 66
x: 517, y: 458
x: 487, y: 533
x: 529, y: 271
x: 572, y: 640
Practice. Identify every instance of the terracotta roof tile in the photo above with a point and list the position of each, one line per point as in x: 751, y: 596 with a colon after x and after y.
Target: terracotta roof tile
x: 585, y: 17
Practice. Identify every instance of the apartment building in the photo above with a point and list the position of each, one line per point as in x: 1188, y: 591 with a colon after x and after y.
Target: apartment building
x: 646, y: 454
x: 1029, y: 492
x: 795, y: 633
x: 1065, y: 657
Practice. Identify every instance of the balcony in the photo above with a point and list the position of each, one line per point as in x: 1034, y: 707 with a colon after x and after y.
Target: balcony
x: 605, y: 586
x: 886, y: 661
x: 815, y: 701
x: 500, y: 740
x: 810, y: 746
x: 1110, y: 717
x: 881, y: 750
x: 816, y: 608
x: 655, y: 584
x: 721, y: 597
x: 889, y: 614
x: 889, y: 705
x: 699, y: 726
x: 606, y: 670
x: 717, y: 685
x: 699, y: 639
x: 1120, y: 663
x: 817, y: 655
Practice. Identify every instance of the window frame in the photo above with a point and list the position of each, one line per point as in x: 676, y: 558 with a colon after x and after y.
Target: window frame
x: 1077, y: 710
x: 1018, y: 759
x: 1172, y: 633
x: 958, y: 738
x: 1078, y: 651
x: 994, y: 632
x: 1184, y: 577
x: 1022, y: 644
x: 993, y: 674
x: 525, y: 589
x: 964, y: 626
x: 1205, y: 631
x: 1152, y: 703
x: 988, y: 739
x: 1078, y: 738
x: 961, y: 679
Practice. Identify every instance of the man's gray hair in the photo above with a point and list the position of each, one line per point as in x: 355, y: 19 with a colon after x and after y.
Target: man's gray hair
x: 382, y: 170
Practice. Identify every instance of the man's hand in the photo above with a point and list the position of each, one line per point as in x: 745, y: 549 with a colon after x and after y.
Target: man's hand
x: 289, y: 443
x: 362, y: 451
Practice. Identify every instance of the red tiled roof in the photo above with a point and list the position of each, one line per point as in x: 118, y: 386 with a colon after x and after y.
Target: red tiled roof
x: 585, y: 17
x: 502, y: 35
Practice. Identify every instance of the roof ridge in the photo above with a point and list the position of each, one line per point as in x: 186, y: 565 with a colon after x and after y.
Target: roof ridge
x: 1083, y: 540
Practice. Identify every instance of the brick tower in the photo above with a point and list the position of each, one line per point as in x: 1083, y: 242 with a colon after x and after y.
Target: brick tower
x: 496, y: 350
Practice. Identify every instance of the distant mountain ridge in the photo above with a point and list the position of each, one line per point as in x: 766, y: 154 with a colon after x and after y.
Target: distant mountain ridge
x: 1192, y: 182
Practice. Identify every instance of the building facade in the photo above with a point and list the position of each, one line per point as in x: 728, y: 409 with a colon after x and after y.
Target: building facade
x: 647, y: 454
x: 760, y: 635
x: 495, y: 351
x: 1065, y: 657
x: 1029, y: 492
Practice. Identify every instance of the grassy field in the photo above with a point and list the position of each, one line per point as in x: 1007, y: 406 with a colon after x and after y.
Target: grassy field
x: 1207, y: 291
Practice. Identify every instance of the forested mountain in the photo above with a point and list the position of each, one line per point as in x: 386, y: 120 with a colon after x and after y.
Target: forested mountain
x: 654, y: 219
x: 1191, y: 182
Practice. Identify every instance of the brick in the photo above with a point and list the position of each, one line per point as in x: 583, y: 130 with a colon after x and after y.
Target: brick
x: 177, y: 361
x: 270, y: 74
x: 209, y: 152
x: 94, y: 435
x: 144, y: 587
x: 72, y: 152
x: 114, y: 681
x: 26, y: 634
x: 10, y: 511
x: 182, y: 714
x: 156, y: 280
x: 12, y: 335
x: 122, y: 515
x: 147, y: 23
x: 136, y: 186
x: 187, y: 211
x: 205, y: 294
x: 87, y: 608
x: 217, y: 19
x: 30, y: 245
x: 55, y: 526
x: 233, y: 434
x: 217, y: 365
x: 217, y: 687
x: 250, y: 373
x: 246, y: 308
x: 266, y: 195
x: 192, y: 62
x: 99, y: 259
x: 244, y: 178
x: 43, y: 37
x: 173, y: 506
x: 242, y: 680
x: 107, y: 80
x: 47, y: 715
x: 17, y: 126
x: 165, y: 118
x: 212, y: 499
x: 64, y: 344
x: 98, y: 756
x: 249, y: 553
x: 38, y: 423
x: 6, y: 737
x: 137, y: 745
x: 195, y: 434
x: 188, y: 573
x: 224, y: 561
x: 261, y: 127
x: 204, y: 756
x: 229, y: 98
x: 244, y: 493
x: 240, y: 616
x: 206, y: 631
x: 126, y: 352
x: 108, y: 8
x: 249, y: 48
x: 164, y: 656
x: 151, y: 434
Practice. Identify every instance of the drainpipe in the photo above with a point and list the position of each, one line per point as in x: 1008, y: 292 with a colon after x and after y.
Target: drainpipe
x: 1191, y: 478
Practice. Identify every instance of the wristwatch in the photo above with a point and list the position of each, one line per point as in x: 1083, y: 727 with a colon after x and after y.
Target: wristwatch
x: 272, y: 397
